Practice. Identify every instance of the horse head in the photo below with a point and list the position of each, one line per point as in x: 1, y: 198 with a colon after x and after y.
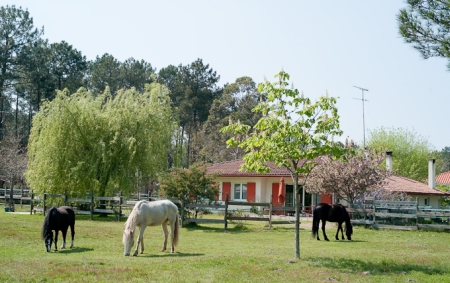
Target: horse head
x: 128, y: 241
x: 349, y: 231
x: 48, y: 240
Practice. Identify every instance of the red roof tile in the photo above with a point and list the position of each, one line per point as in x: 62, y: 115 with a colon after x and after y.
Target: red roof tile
x: 443, y: 178
x: 409, y: 186
x: 232, y: 169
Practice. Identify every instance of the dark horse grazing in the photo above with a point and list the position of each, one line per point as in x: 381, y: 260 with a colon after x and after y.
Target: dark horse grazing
x: 333, y: 213
x: 58, y: 219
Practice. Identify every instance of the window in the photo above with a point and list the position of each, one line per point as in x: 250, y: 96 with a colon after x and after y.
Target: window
x: 240, y: 191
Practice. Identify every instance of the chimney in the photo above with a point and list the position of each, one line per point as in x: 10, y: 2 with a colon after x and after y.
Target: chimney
x: 389, y: 161
x: 432, y: 174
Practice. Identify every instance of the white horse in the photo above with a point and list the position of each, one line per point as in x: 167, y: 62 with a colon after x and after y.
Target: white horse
x: 151, y: 213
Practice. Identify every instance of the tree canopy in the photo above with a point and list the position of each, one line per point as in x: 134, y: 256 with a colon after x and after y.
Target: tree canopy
x: 190, y: 185
x: 426, y: 25
x: 292, y: 132
x: 350, y: 177
x: 80, y: 143
x: 410, y: 150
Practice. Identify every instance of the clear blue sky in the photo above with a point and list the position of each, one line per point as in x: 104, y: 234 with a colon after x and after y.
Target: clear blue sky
x: 324, y: 45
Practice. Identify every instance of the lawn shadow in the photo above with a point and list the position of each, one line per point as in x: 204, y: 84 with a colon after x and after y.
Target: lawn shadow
x: 176, y: 254
x: 380, y: 267
x: 75, y: 250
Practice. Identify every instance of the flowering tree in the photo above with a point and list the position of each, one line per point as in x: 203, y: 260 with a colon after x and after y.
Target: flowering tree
x: 292, y: 132
x: 350, y: 177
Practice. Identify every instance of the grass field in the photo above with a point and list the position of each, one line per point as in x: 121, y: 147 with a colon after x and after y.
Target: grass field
x: 209, y: 254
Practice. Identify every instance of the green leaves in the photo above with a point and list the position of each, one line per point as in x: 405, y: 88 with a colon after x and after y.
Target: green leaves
x: 291, y: 130
x: 80, y: 143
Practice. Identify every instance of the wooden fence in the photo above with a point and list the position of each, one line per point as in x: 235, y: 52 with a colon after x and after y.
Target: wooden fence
x: 403, y: 215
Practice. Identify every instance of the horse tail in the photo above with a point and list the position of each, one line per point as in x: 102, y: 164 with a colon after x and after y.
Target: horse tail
x: 315, y: 223
x: 46, y: 227
x: 176, y: 230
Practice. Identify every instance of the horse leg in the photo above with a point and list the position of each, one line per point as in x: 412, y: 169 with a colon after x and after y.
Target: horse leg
x: 316, y: 228
x: 56, y: 240
x: 72, y: 231
x: 64, y: 233
x: 139, y: 240
x: 342, y: 232
x: 172, y: 233
x: 337, y: 232
x: 166, y: 234
x: 323, y: 230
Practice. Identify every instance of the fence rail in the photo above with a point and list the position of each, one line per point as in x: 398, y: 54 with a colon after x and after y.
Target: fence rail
x: 403, y: 215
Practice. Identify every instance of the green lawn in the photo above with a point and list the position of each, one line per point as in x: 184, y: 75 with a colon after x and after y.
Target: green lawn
x: 209, y: 254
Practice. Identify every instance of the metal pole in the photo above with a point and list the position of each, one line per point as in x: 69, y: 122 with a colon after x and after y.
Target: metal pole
x: 364, y: 124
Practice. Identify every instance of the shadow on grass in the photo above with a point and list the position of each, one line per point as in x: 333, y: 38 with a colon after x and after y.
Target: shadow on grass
x: 74, y: 250
x: 208, y: 229
x: 176, y: 254
x: 380, y: 267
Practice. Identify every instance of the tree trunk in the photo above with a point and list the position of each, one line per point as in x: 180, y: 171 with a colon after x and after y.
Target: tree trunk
x: 297, y: 216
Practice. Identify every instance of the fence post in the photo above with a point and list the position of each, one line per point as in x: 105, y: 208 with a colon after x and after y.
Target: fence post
x: 31, y: 202
x: 45, y: 197
x: 270, y: 213
x: 120, y: 204
x: 417, y: 210
x: 226, y: 211
x: 182, y: 212
x: 92, y: 205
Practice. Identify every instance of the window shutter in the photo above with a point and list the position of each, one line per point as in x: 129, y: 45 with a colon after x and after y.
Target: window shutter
x: 226, y: 188
x: 251, y: 192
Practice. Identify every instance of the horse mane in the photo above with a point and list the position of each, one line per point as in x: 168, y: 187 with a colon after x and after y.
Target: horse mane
x: 130, y: 224
x: 46, y: 226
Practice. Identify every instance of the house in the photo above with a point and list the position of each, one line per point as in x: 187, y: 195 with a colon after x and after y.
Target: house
x: 443, y: 179
x: 276, y: 186
x: 426, y: 194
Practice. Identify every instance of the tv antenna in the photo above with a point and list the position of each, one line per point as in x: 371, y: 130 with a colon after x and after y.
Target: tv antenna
x: 362, y: 99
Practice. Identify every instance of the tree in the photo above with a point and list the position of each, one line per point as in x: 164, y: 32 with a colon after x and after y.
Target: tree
x: 13, y: 162
x: 68, y: 66
x: 136, y: 74
x: 410, y: 151
x: 103, y: 72
x: 80, y: 144
x: 445, y: 157
x: 236, y: 103
x: 16, y: 33
x: 191, y: 185
x: 192, y: 90
x: 293, y: 132
x: 426, y: 25
x: 350, y: 177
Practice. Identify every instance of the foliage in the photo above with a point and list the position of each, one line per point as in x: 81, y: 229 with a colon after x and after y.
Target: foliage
x: 191, y: 185
x: 16, y: 33
x: 444, y: 155
x: 426, y: 25
x: 444, y: 201
x: 292, y: 133
x: 68, y: 66
x: 410, y: 151
x: 236, y: 103
x: 82, y: 144
x: 355, y: 174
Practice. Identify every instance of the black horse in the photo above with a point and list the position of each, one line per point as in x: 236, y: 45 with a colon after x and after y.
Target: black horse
x: 333, y: 213
x: 58, y: 219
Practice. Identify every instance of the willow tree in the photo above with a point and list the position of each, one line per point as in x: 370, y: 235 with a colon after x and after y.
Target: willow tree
x: 84, y: 144
x: 292, y: 133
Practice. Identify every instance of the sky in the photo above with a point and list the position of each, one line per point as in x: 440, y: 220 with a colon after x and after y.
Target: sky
x: 326, y: 46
